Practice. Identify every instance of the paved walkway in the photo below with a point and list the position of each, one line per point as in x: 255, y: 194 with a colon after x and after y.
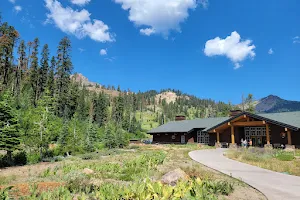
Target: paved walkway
x: 276, y: 186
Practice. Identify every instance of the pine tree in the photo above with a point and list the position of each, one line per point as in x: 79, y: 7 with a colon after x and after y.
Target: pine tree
x: 51, y: 82
x: 34, y: 68
x: 90, y: 137
x: 118, y: 108
x: 63, y: 72
x: 101, y: 109
x: 9, y: 127
x: 126, y: 121
x: 21, y: 68
x: 109, y: 137
x: 43, y: 70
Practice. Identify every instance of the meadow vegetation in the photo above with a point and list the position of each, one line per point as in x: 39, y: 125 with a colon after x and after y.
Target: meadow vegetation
x: 272, y: 159
x: 130, y: 173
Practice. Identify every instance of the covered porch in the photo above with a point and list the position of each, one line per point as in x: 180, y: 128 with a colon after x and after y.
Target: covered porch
x: 261, y: 132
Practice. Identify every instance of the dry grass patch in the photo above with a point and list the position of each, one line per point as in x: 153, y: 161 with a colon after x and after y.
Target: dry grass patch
x: 275, y: 160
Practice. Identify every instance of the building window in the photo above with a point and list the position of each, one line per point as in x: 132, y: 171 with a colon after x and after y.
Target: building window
x: 202, y: 137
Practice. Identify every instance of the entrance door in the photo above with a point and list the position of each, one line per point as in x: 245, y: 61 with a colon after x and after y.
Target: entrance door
x: 182, y: 139
x: 257, y: 141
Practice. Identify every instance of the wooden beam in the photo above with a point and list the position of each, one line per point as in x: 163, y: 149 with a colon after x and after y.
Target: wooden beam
x: 232, y: 135
x: 268, y: 134
x: 251, y: 123
x: 218, y: 137
x: 289, y: 137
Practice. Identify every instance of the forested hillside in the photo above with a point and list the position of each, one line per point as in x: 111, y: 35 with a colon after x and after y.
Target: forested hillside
x: 43, y: 105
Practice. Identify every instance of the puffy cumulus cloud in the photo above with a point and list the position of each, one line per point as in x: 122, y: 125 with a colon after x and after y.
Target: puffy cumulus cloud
x: 103, y: 52
x: 17, y: 8
x: 80, y: 2
x: 158, y: 16
x: 270, y: 51
x: 77, y: 22
x: 232, y: 47
x: 12, y: 1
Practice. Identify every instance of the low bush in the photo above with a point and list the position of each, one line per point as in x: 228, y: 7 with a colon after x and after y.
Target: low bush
x: 33, y: 158
x: 284, y: 156
x: 20, y: 158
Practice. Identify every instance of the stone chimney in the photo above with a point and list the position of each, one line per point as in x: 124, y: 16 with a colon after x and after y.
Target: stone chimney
x: 179, y: 118
x: 234, y: 113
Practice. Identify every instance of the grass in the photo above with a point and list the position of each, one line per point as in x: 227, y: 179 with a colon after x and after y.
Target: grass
x: 272, y: 159
x: 123, y: 174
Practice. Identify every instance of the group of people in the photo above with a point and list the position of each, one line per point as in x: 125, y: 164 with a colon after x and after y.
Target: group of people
x: 245, y: 143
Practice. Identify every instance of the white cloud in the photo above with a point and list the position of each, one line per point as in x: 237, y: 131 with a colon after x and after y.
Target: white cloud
x: 270, y: 51
x: 12, y: 1
x: 158, y: 16
x: 77, y: 22
x: 17, y: 8
x: 232, y: 47
x: 296, y: 40
x: 103, y: 52
x: 80, y: 2
x: 81, y: 50
x: 147, y: 31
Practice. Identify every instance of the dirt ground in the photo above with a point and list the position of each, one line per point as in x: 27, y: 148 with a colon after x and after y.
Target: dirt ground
x: 24, y: 173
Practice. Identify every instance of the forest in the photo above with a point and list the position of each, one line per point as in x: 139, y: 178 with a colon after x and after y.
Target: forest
x: 45, y: 112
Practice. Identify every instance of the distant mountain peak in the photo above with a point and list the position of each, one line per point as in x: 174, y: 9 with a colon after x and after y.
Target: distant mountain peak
x: 273, y: 103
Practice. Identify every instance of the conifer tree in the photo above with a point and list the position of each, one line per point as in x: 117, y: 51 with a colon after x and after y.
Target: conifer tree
x: 34, y: 68
x: 21, y: 68
x: 50, y: 81
x: 101, y: 109
x: 63, y: 72
x: 43, y: 70
x: 9, y: 127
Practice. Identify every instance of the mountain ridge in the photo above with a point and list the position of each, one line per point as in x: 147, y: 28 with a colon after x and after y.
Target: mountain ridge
x: 268, y: 104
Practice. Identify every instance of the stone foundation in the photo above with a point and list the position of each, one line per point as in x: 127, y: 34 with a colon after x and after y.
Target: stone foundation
x: 233, y: 146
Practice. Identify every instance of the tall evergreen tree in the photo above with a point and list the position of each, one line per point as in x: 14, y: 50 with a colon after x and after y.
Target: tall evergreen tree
x: 101, y: 109
x: 21, y: 68
x: 50, y: 81
x: 34, y: 68
x: 43, y: 70
x: 9, y: 127
x: 63, y: 72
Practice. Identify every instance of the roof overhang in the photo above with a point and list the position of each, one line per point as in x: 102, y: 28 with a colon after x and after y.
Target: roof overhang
x: 253, y: 116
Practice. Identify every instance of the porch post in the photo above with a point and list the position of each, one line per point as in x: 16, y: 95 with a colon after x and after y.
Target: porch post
x: 268, y: 134
x: 218, y: 137
x: 232, y: 135
x: 289, y: 137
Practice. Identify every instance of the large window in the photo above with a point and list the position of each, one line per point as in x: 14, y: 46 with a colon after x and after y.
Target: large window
x: 202, y: 137
x: 255, y: 132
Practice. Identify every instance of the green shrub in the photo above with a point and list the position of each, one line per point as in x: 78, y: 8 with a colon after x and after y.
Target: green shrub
x: 19, y: 158
x: 285, y: 156
x: 4, y: 161
x: 33, y: 158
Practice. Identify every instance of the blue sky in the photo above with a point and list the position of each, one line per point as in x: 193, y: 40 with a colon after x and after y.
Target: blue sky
x: 209, y: 48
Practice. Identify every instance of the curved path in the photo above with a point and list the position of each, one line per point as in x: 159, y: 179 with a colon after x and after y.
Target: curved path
x: 272, y: 184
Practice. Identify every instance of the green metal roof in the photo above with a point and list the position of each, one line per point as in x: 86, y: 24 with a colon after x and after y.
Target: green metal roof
x: 289, y: 118
x: 286, y: 119
x: 188, y: 125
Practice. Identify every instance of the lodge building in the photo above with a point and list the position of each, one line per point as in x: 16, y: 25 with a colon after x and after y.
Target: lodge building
x: 264, y: 130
